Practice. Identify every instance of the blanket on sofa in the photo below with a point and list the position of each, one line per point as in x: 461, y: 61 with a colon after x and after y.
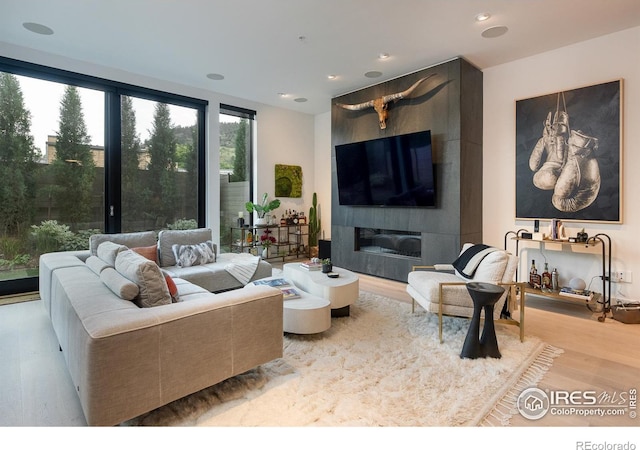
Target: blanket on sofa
x: 242, y: 267
x: 468, y: 261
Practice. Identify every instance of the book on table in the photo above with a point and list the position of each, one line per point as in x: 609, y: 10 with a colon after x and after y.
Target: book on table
x: 274, y: 282
x: 310, y: 265
x: 568, y: 292
x: 289, y: 293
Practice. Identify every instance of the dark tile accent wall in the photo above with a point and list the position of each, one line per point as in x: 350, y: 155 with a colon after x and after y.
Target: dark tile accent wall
x: 450, y: 105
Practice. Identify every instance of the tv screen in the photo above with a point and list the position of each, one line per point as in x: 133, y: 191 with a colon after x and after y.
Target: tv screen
x: 390, y: 171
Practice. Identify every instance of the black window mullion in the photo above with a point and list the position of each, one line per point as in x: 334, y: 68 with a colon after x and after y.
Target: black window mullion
x: 113, y: 164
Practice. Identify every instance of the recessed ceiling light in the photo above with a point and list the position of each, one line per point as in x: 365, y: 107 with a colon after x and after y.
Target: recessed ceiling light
x: 482, y: 17
x: 215, y: 76
x: 300, y: 99
x: 494, y: 32
x: 332, y: 77
x: 283, y: 94
x: 373, y: 74
x: 383, y: 56
x: 37, y: 28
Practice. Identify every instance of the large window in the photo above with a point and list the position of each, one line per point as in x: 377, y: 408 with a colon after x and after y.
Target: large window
x: 236, y: 143
x: 80, y: 155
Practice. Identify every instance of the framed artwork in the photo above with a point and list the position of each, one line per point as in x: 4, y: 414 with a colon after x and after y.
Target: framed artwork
x: 569, y: 155
x: 288, y: 181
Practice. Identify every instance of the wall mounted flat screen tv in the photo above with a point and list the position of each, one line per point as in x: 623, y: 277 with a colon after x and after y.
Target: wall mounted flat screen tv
x: 390, y: 171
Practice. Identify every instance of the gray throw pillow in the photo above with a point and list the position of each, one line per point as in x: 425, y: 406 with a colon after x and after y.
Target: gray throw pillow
x: 107, y: 251
x: 119, y: 285
x: 194, y: 254
x: 147, y: 275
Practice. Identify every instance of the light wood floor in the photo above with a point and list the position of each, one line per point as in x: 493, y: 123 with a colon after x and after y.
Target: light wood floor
x: 35, y: 388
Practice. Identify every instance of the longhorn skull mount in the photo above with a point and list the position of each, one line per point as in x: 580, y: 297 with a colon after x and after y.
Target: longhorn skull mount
x: 380, y: 104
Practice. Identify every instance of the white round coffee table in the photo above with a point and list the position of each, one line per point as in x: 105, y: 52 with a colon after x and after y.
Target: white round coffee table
x: 307, y: 314
x: 341, y: 292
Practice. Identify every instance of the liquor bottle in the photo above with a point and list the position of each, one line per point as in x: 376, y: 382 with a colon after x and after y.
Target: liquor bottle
x: 534, y: 278
x: 554, y: 280
x: 546, y: 277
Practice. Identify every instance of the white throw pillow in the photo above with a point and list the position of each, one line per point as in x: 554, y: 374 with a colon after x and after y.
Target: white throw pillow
x: 147, y: 275
x: 107, y: 251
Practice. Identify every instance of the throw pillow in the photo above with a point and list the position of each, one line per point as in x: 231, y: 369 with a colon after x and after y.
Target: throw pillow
x: 194, y: 255
x: 119, y: 285
x: 147, y: 275
x: 173, y: 289
x: 151, y: 252
x: 107, y: 251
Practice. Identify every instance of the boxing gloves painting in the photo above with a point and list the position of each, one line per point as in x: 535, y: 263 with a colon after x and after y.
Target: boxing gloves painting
x: 564, y: 161
x: 571, y: 168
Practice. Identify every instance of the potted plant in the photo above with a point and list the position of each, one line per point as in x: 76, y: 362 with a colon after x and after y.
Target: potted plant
x: 262, y: 208
x: 266, y: 240
x: 314, y: 227
x: 327, y: 266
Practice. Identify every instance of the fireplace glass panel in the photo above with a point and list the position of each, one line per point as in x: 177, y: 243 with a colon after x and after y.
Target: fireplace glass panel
x: 391, y: 242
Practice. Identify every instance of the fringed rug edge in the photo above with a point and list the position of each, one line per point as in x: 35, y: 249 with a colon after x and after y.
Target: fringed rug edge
x: 503, y: 404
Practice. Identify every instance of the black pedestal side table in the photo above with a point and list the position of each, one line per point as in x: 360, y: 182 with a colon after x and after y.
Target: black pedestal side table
x: 484, y: 296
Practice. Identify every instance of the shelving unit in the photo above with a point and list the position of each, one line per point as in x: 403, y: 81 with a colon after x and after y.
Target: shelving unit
x: 290, y: 240
x: 596, y: 240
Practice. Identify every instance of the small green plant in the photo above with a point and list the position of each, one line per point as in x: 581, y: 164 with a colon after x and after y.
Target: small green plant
x: 183, y: 224
x: 18, y: 260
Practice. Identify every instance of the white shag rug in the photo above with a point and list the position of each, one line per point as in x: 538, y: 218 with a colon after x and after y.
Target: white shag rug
x: 380, y: 366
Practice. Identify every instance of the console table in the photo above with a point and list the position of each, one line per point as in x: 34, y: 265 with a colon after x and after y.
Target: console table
x: 601, y: 239
x: 290, y: 240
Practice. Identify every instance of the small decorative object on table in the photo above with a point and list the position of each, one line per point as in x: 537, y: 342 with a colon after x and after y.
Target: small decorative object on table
x: 326, y: 265
x: 582, y: 236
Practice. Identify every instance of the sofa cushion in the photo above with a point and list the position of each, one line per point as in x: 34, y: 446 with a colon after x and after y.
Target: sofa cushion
x: 194, y: 254
x: 147, y: 275
x: 138, y: 239
x: 119, y: 285
x: 96, y: 264
x: 107, y: 251
x: 167, y: 238
x: 150, y: 252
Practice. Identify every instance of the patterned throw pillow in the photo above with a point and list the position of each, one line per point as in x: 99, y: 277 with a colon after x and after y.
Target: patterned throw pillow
x: 194, y: 255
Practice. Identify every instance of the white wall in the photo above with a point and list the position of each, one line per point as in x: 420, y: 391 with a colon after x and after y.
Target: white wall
x: 322, y: 161
x: 283, y: 136
x: 591, y: 62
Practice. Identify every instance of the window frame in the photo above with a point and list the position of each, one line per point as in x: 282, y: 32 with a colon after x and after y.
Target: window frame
x: 113, y: 90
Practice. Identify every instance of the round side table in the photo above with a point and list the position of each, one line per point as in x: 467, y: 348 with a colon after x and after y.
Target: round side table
x: 484, y: 296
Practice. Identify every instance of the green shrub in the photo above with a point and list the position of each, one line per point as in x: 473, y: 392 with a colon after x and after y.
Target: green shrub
x: 50, y: 236
x: 183, y: 224
x: 79, y: 240
x: 10, y: 247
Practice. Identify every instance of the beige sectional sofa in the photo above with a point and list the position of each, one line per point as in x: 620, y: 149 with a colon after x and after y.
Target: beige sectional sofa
x: 125, y: 360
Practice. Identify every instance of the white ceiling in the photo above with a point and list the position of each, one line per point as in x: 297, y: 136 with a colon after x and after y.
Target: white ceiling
x: 267, y: 47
